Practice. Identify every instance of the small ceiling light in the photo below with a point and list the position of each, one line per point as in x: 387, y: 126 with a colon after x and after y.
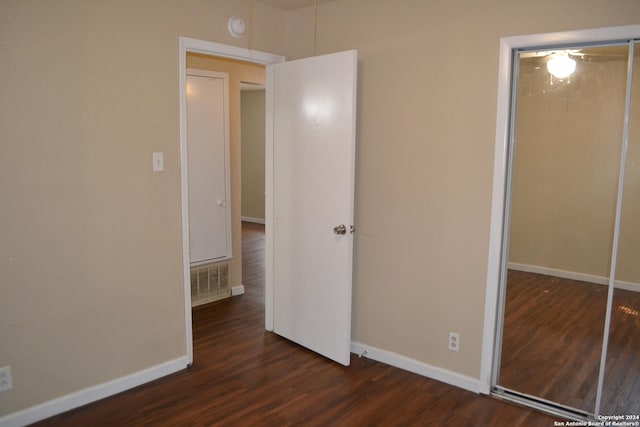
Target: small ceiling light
x: 561, y: 65
x: 236, y: 26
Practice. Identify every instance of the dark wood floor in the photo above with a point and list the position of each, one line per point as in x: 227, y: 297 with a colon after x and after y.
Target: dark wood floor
x: 552, y: 344
x: 244, y: 376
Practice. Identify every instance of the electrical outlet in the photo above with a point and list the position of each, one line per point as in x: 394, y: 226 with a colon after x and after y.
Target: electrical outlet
x: 454, y: 341
x: 6, y: 382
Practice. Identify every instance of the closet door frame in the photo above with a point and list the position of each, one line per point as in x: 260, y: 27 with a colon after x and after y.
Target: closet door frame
x: 494, y: 313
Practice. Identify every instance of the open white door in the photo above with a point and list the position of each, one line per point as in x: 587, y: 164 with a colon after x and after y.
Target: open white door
x: 312, y: 177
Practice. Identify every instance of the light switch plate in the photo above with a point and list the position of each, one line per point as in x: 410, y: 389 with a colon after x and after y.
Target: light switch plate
x: 6, y: 382
x: 158, y: 162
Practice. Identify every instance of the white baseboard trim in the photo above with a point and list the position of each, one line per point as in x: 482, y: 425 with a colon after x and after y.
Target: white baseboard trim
x: 572, y: 275
x: 417, y: 367
x: 91, y: 394
x: 237, y: 290
x: 254, y: 220
x: 204, y: 301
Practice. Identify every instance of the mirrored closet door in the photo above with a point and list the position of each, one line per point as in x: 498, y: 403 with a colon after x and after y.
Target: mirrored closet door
x: 571, y: 273
x: 621, y: 391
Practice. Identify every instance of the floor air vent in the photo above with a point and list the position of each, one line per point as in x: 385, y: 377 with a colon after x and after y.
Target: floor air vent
x: 209, y: 283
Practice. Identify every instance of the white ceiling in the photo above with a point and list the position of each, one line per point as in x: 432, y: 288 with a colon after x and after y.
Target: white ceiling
x: 291, y: 4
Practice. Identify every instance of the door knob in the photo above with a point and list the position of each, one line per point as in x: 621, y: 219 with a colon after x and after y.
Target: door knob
x: 340, y: 229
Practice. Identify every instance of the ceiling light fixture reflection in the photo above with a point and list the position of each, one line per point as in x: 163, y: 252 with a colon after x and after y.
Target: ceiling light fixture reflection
x: 560, y: 65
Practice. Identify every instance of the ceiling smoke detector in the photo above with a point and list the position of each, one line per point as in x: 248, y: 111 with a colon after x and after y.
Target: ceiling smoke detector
x: 236, y: 26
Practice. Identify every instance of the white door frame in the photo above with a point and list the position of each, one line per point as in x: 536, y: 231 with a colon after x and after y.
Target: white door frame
x: 507, y: 46
x: 187, y: 44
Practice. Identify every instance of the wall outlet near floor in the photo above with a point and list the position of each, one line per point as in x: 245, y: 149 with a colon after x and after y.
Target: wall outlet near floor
x: 454, y: 341
x: 6, y: 382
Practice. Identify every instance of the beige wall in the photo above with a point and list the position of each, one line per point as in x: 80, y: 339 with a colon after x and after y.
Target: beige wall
x: 90, y: 255
x: 253, y: 137
x: 629, y: 247
x: 426, y: 132
x: 566, y: 165
x: 238, y: 72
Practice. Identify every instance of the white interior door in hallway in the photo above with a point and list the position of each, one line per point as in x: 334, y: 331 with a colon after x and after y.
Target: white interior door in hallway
x: 208, y: 166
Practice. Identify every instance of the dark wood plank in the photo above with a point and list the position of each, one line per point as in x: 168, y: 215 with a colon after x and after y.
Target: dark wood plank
x: 621, y: 392
x: 244, y: 376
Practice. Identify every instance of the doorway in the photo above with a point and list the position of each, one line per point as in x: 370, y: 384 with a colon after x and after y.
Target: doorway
x: 569, y: 295
x: 253, y: 191
x: 220, y: 277
x: 202, y: 51
x: 321, y: 91
x: 253, y: 161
